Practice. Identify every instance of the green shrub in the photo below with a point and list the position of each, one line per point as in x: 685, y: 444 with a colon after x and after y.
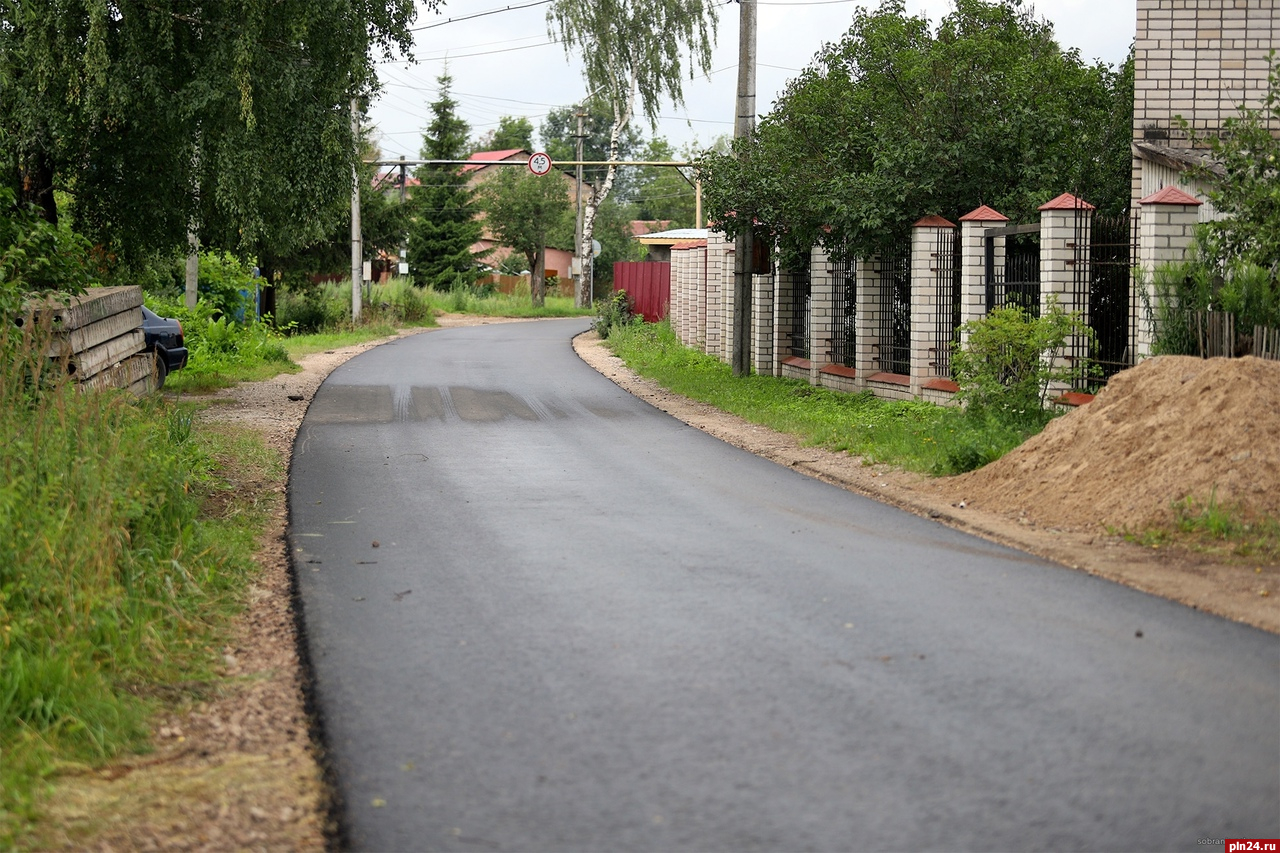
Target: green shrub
x: 617, y: 310
x: 1248, y: 292
x: 1012, y: 358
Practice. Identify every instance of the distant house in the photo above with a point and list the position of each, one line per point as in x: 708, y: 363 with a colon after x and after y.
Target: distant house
x: 480, y: 169
x: 1200, y: 61
x: 659, y: 243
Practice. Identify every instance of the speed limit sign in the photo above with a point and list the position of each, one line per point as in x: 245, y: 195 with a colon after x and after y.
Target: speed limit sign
x: 539, y: 163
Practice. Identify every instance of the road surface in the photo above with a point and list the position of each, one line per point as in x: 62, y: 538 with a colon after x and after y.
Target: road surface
x: 543, y: 615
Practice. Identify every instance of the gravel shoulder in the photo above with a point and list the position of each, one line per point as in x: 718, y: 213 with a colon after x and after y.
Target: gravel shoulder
x: 240, y: 769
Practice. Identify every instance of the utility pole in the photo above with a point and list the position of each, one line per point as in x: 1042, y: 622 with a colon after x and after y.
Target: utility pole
x: 357, y: 253
x: 402, y: 264
x: 744, y: 126
x: 579, y: 288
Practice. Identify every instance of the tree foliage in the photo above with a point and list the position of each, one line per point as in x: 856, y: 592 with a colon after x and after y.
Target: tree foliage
x: 443, y: 211
x: 232, y: 117
x: 664, y: 193
x: 1248, y: 189
x: 526, y: 212
x: 559, y: 139
x: 896, y: 121
x: 511, y: 132
x: 632, y: 50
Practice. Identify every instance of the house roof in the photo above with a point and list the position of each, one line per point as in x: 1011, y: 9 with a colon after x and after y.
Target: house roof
x: 1180, y: 159
x: 484, y: 158
x: 675, y: 235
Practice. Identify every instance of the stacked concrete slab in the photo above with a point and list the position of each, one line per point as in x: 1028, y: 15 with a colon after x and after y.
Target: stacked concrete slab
x: 99, y: 335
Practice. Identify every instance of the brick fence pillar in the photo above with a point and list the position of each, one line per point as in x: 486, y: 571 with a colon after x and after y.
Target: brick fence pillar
x: 867, y: 322
x: 717, y: 247
x: 973, y: 263
x: 926, y: 268
x: 822, y: 303
x: 762, y: 342
x: 1063, y: 223
x: 1167, y: 225
x: 785, y: 312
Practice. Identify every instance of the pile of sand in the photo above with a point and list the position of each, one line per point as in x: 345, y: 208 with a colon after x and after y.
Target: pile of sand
x: 1170, y: 428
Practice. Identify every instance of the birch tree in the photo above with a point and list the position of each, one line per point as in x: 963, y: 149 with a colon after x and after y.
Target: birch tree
x: 635, y: 55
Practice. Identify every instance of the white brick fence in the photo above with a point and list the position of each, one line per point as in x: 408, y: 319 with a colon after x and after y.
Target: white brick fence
x: 840, y: 324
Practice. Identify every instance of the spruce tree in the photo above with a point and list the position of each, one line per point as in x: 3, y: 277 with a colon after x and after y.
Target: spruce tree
x: 444, y: 224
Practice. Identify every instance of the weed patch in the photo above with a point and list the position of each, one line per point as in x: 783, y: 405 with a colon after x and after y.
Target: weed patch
x: 113, y: 583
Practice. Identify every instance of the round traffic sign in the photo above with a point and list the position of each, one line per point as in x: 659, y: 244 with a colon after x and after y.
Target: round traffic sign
x: 539, y: 163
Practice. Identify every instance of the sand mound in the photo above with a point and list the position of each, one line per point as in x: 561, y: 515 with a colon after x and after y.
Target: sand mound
x: 1169, y: 428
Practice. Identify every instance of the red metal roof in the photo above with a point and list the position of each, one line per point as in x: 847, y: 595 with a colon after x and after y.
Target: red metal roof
x: 1067, y: 201
x: 934, y: 222
x: 1171, y: 195
x: 484, y: 158
x: 984, y: 214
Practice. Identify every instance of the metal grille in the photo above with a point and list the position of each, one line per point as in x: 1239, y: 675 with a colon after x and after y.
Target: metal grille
x: 801, y: 296
x: 947, y: 283
x: 1017, y: 280
x: 1108, y: 304
x: 894, y: 345
x: 844, y: 339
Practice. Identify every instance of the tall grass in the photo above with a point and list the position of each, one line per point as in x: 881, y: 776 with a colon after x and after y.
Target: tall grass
x: 110, y: 582
x: 492, y: 303
x: 915, y: 435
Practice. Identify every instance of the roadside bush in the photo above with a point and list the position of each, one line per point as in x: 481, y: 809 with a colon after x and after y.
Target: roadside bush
x: 617, y: 310
x: 1011, y: 360
x: 1247, y: 291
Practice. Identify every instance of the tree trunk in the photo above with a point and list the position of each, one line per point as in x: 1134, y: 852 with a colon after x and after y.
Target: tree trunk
x: 37, y: 186
x: 538, y: 283
x: 621, y: 118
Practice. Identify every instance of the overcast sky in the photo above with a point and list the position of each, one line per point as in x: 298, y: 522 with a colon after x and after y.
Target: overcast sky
x: 504, y: 64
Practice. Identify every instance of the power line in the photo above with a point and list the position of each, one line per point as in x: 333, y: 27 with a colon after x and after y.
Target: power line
x: 478, y: 15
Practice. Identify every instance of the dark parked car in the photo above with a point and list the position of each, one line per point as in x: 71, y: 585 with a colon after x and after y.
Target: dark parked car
x: 164, y: 338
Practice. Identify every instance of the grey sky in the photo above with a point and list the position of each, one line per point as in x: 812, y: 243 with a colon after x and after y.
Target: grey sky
x: 504, y: 64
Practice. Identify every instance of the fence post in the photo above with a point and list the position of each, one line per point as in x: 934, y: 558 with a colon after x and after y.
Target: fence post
x: 1166, y: 227
x: 727, y: 294
x: 867, y: 322
x: 822, y: 319
x: 784, y: 314
x: 926, y: 266
x: 1063, y: 225
x: 762, y: 342
x: 716, y: 248
x: 973, y: 263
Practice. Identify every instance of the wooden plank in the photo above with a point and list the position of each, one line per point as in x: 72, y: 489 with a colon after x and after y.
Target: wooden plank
x: 97, y: 303
x: 95, y: 334
x: 92, y: 361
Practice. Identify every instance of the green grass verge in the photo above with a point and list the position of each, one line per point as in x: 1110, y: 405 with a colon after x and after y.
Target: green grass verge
x: 518, y: 304
x: 917, y: 436
x: 126, y: 536
x: 1225, y: 533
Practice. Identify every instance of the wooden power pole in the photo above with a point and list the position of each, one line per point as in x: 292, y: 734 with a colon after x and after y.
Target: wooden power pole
x: 744, y: 126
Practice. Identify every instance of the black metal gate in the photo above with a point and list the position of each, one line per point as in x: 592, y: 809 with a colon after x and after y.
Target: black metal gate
x: 1017, y: 280
x: 1104, y: 295
x: 801, y: 294
x: 844, y: 338
x: 894, y: 328
x: 947, y: 268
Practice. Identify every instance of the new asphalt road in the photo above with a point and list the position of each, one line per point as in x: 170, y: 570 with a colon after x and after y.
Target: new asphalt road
x: 543, y: 615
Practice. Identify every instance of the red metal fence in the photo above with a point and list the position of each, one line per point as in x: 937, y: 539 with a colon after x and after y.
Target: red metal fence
x: 649, y: 285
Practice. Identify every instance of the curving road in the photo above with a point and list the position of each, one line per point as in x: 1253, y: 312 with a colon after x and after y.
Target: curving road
x: 543, y: 615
